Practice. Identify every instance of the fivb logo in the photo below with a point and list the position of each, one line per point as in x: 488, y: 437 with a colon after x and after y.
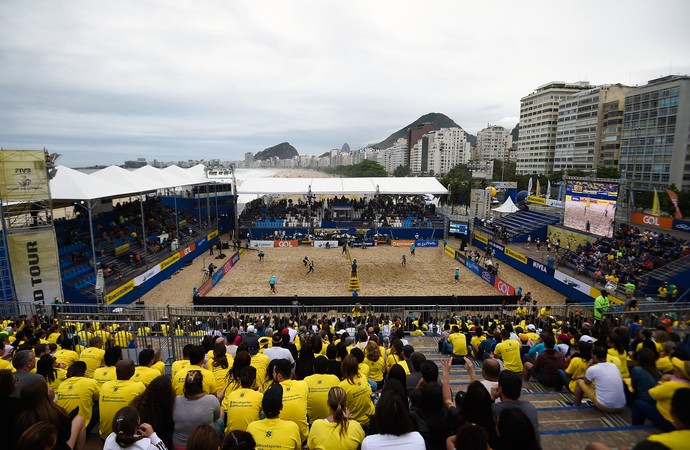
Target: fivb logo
x: 539, y: 266
x: 486, y: 276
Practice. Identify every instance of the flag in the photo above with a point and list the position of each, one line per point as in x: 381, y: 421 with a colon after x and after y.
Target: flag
x: 656, y: 211
x: 632, y: 200
x: 529, y: 186
x: 560, y: 191
x: 538, y: 191
x: 674, y: 199
x: 548, y: 190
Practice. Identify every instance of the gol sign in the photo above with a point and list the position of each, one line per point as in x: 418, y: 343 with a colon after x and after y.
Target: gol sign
x: 649, y: 220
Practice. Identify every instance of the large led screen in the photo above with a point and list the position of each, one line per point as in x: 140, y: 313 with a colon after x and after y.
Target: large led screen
x: 590, y: 206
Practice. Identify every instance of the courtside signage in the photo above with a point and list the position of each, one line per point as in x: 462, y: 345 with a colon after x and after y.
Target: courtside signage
x: 291, y: 243
x: 402, y: 242
x: 650, y: 220
x: 426, y: 243
x: 261, y: 244
x: 681, y: 225
x: 322, y: 244
x: 515, y: 255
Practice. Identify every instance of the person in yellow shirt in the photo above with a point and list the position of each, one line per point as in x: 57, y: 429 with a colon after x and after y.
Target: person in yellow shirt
x: 103, y: 332
x: 336, y: 431
x: 117, y: 394
x: 221, y: 363
x: 376, y: 363
x: 144, y: 372
x: 319, y: 384
x: 123, y: 338
x: 180, y: 363
x: 358, y: 391
x: 196, y: 359
x: 680, y: 413
x: 578, y: 364
x: 108, y: 372
x: 476, y: 340
x: 295, y: 394
x: 273, y: 432
x: 86, y: 334
x: 456, y: 344
x: 509, y: 351
x: 77, y: 391
x: 46, y: 366
x: 93, y: 356
x: 66, y: 355
x: 260, y: 362
x: 660, y: 415
x: 243, y: 404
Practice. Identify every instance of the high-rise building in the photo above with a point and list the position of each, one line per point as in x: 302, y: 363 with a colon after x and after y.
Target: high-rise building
x: 538, y: 121
x: 654, y: 149
x: 585, y: 120
x: 394, y: 156
x: 415, y: 134
x: 493, y: 142
x: 248, y: 159
x: 447, y: 148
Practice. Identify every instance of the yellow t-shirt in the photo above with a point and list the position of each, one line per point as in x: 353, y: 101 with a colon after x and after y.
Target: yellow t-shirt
x: 145, y: 374
x: 115, y: 395
x: 104, y: 374
x: 93, y: 357
x: 220, y: 374
x: 5, y: 364
x: 393, y: 360
x: 123, y: 338
x: 613, y: 357
x: 53, y: 337
x: 476, y: 340
x: 509, y: 351
x: 260, y: 363
x: 60, y: 376
x: 664, y: 364
x: 244, y: 406
x: 66, y: 357
x: 103, y: 334
x: 376, y: 368
x: 663, y: 393
x: 275, y: 434
x: 209, y: 380
x: 459, y: 343
x: 677, y: 439
x: 177, y: 365
x: 326, y: 436
x: 358, y: 399
x: 319, y: 385
x: 295, y: 394
x: 576, y: 368
x: 363, y: 369
x: 78, y: 392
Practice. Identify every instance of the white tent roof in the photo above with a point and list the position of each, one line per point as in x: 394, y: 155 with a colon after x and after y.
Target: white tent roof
x: 507, y: 207
x: 70, y: 184
x: 341, y: 186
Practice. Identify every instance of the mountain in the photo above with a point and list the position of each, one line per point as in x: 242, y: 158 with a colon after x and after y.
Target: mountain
x: 345, y: 148
x: 438, y: 120
x: 281, y: 151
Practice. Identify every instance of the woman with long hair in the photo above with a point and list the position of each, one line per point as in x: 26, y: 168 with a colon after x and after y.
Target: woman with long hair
x: 304, y: 366
x: 155, y: 407
x: 46, y: 366
x: 394, y: 426
x: 429, y: 418
x: 220, y: 364
x: 238, y: 440
x: 515, y: 430
x: 644, y: 376
x: 358, y: 391
x: 39, y: 436
x: 203, y: 437
x: 130, y: 433
x: 232, y: 379
x: 336, y: 431
x: 193, y: 408
x: 377, y: 365
x: 36, y: 406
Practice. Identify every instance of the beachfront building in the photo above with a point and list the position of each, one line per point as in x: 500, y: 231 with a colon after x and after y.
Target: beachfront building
x: 493, y: 142
x: 538, y: 123
x: 588, y: 120
x: 654, y: 147
x: 447, y: 148
x: 394, y: 156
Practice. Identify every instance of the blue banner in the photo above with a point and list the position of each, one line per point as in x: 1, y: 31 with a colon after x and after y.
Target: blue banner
x: 425, y: 243
x: 543, y: 268
x: 681, y: 225
x: 473, y: 266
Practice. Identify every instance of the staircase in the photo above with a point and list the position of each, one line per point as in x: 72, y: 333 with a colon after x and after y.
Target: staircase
x: 561, y: 426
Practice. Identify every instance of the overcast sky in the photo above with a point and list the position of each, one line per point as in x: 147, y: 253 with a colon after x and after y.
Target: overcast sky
x: 105, y: 81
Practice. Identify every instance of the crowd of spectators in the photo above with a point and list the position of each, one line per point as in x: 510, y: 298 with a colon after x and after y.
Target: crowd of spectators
x: 331, y: 382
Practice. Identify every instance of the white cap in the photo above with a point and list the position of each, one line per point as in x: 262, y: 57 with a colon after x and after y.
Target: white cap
x: 250, y: 329
x: 531, y: 327
x: 587, y: 338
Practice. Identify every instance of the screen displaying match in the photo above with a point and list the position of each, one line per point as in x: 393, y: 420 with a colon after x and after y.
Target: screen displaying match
x: 458, y: 228
x: 590, y: 205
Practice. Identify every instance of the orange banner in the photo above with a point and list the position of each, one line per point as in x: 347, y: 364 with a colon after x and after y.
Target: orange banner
x: 292, y: 243
x: 650, y: 220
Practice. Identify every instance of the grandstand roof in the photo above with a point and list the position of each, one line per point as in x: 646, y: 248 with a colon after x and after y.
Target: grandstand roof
x: 341, y: 186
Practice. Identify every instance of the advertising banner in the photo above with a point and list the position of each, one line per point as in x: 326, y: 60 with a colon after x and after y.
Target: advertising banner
x: 402, y: 242
x: 363, y: 244
x: 554, y: 203
x: 167, y: 262
x: 23, y: 175
x: 681, y: 225
x: 212, y: 234
x: 537, y: 200
x: 594, y: 293
x: 426, y: 243
x: 122, y: 249
x: 459, y: 257
x: 572, y: 282
x: 568, y: 237
x: 496, y: 247
x: 503, y: 287
x: 225, y: 268
x: 543, y: 268
x: 515, y: 255
x: 201, y: 242
x: 291, y: 243
x: 481, y: 238
x: 114, y: 295
x: 261, y: 244
x: 450, y: 251
x: 650, y: 220
x: 205, y: 288
x: 34, y: 260
x: 217, y: 275
x: 152, y: 272
x: 322, y: 244
x: 473, y: 266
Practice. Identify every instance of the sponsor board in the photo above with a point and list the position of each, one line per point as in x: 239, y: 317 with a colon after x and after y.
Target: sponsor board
x: 205, y: 288
x: 473, y: 266
x: 167, y: 262
x: 503, y: 287
x: 537, y: 200
x: 217, y: 275
x: 554, y: 203
x: 212, y: 234
x: 650, y: 220
x: 322, y: 244
x: 573, y: 238
x: 402, y: 242
x: 235, y: 258
x: 426, y: 243
x: 23, y: 175
x: 459, y: 257
x: 515, y: 255
x: 363, y: 244
x: 594, y: 293
x: 572, y: 282
x: 152, y: 272
x: 187, y: 250
x: 261, y: 244
x: 681, y: 225
x: 34, y: 259
x: 225, y: 268
x: 290, y: 243
x: 541, y: 267
x: 119, y: 292
x: 498, y: 247
x: 450, y: 251
x: 487, y: 276
x: 481, y: 238
x: 122, y: 249
x: 201, y: 242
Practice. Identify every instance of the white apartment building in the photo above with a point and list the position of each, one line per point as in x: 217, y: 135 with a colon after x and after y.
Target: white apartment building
x: 583, y: 125
x: 538, y: 122
x: 494, y: 142
x: 447, y: 148
x: 394, y: 156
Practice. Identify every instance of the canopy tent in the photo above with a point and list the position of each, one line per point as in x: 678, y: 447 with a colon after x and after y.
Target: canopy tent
x: 507, y: 207
x: 342, y: 186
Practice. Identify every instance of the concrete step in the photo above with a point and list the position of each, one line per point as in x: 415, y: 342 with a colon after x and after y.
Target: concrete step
x: 576, y: 439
